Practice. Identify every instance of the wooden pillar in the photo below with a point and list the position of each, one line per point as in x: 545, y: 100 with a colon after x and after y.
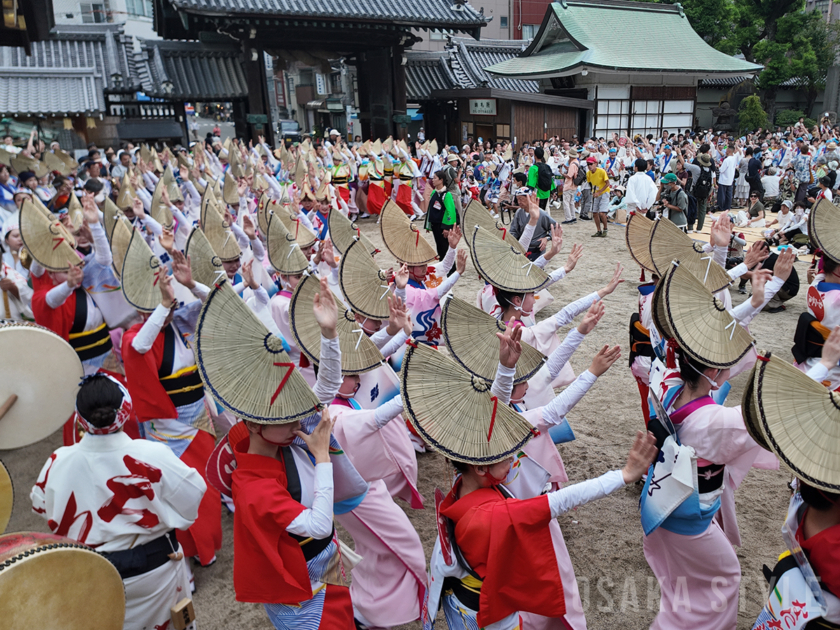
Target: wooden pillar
x: 257, y: 101
x: 399, y: 101
x: 375, y: 93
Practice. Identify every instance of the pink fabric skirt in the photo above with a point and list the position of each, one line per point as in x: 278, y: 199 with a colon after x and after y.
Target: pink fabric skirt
x: 699, y: 577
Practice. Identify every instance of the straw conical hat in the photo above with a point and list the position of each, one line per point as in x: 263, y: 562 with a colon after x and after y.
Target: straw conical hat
x: 145, y: 153
x: 800, y: 420
x: 127, y: 194
x: 209, y: 201
x: 55, y: 163
x: 403, y: 238
x: 433, y: 147
x: 68, y: 159
x: 637, y: 237
x: 172, y: 185
x: 140, y: 275
x: 749, y: 409
x: 120, y: 239
x: 358, y: 353
x: 476, y: 214
x: 264, y: 211
x: 260, y: 183
x: 183, y: 160
x: 343, y: 231
x: 22, y: 163
x: 301, y: 170
x: 376, y: 148
x: 824, y: 228
x: 7, y: 497
x: 462, y: 421
x: 388, y: 145
x: 508, y: 154
x: 159, y: 211
x: 302, y: 234
x: 668, y: 243
x: 205, y: 265
x: 217, y: 187
x: 470, y: 335
x: 284, y: 252
x: 687, y: 311
x: 504, y: 266
x: 110, y: 212
x: 323, y: 193
x: 74, y: 211
x: 363, y: 284
x: 219, y: 233
x: 230, y: 195
x: 6, y: 157
x: 156, y: 163
x: 47, y: 240
x: 39, y: 205
x: 244, y: 366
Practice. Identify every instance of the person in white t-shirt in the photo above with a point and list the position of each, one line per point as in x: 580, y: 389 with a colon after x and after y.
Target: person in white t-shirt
x: 726, y: 180
x: 770, y: 184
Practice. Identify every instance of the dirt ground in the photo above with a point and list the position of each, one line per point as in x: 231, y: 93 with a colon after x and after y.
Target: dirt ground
x: 604, y: 538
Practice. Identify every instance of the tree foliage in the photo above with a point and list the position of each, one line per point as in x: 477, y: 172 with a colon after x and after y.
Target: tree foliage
x: 751, y: 115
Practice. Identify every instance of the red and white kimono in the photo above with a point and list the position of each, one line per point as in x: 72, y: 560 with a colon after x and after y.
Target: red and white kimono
x: 114, y: 493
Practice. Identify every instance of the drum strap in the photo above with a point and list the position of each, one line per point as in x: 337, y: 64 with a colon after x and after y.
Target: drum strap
x: 80, y: 316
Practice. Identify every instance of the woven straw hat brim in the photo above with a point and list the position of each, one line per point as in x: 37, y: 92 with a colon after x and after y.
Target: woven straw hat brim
x: 824, y: 228
x: 67, y: 159
x: 205, y: 265
x: 229, y: 193
x: 669, y: 243
x: 47, y: 240
x: 358, y: 353
x: 749, y: 409
x: 55, y: 163
x: 504, y: 266
x: 74, y: 211
x: 141, y: 272
x: 476, y: 214
x: 302, y: 234
x: 160, y: 212
x: 403, y: 238
x: 658, y: 312
x: 5, y: 157
x: 284, y: 253
x: 243, y: 365
x: 801, y: 420
x: 172, y: 185
x: 700, y: 323
x: 110, y: 213
x: 120, y: 238
x: 343, y: 232
x: 264, y: 211
x: 637, y: 237
x: 126, y: 197
x: 363, y: 283
x: 23, y: 163
x: 457, y: 420
x: 219, y: 233
x: 470, y: 335
x: 7, y: 497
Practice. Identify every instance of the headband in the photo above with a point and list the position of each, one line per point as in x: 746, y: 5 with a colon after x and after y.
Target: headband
x: 123, y: 412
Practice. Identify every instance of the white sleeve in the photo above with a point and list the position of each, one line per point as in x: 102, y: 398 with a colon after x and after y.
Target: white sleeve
x: 541, y: 262
x: 150, y: 180
x: 719, y: 255
x: 527, y: 233
x: 394, y: 344
x: 818, y: 373
x: 145, y: 197
x: 570, y: 497
x: 562, y: 354
x: 101, y: 248
x: 58, y: 295
x: 152, y: 224
x: 276, y: 191
x: 380, y: 338
x: 745, y: 312
x: 35, y: 269
x: 449, y: 259
x: 145, y: 338
x: 400, y: 293
x: 329, y: 371
x: 556, y: 275
x: 570, y: 311
x: 737, y: 271
x: 200, y: 291
x: 305, y: 220
x: 261, y: 296
x: 317, y: 521
x: 556, y: 410
x: 388, y: 411
x: 447, y: 284
x: 240, y: 235
x: 193, y: 193
x: 503, y: 383
x: 259, y: 250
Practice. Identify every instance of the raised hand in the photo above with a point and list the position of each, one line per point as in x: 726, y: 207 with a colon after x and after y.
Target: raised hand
x: 89, y: 209
x: 756, y: 254
x: 784, y: 263
x: 461, y: 261
x: 398, y: 316
x: 167, y: 291
x: 401, y: 276
x: 242, y: 187
x: 167, y: 240
x: 328, y: 253
x: 454, y: 236
x: 318, y: 443
x: 181, y: 269
x: 721, y: 231
x: 326, y: 311
x: 614, y: 281
x: 604, y: 359
x: 74, y: 276
x: 758, y: 280
x: 247, y: 270
x: 574, y: 257
x: 137, y: 207
x: 640, y: 457
x: 510, y: 346
x: 248, y: 227
x: 592, y: 317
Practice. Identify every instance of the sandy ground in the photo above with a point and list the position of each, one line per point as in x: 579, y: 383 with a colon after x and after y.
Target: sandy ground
x: 604, y: 538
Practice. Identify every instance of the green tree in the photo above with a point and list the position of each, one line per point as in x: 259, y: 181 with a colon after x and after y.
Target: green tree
x: 751, y: 115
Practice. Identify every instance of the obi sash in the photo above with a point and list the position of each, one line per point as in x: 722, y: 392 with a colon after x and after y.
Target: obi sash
x: 183, y: 387
x: 88, y: 344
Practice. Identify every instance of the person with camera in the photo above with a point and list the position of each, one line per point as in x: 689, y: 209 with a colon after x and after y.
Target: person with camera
x: 674, y: 201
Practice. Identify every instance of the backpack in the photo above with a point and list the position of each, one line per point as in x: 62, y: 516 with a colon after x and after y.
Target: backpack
x: 580, y: 176
x: 544, y: 177
x: 703, y: 185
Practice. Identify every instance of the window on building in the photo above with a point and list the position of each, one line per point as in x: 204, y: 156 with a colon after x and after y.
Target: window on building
x: 612, y: 113
x: 440, y: 35
x: 93, y: 12
x: 142, y: 8
x: 335, y: 83
x: 306, y: 78
x: 503, y: 21
x: 503, y: 132
x: 656, y: 116
x: 529, y: 31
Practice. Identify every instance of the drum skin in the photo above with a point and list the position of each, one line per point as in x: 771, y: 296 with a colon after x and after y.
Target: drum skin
x: 7, y: 497
x: 51, y: 582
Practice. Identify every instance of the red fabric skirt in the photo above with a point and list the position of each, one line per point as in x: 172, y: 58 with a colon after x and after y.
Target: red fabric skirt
x: 389, y: 188
x: 204, y: 538
x: 404, y: 199
x: 338, y: 609
x: 345, y: 193
x: 376, y: 199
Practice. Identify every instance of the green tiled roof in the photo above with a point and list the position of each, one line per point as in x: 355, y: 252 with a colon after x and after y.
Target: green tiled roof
x: 618, y: 36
